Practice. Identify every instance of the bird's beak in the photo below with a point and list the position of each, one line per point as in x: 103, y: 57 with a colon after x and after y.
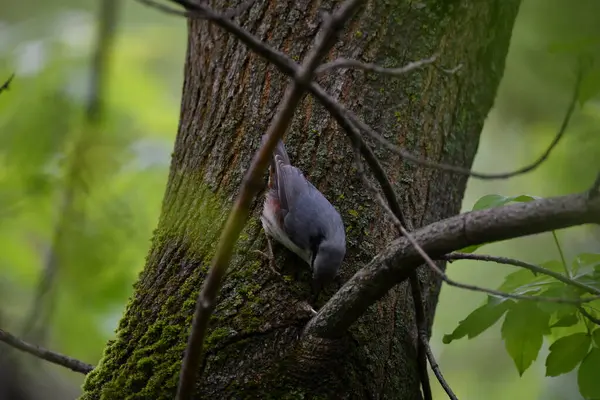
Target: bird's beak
x: 316, y: 289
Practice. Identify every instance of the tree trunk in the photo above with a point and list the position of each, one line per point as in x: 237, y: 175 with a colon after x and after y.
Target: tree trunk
x: 229, y: 97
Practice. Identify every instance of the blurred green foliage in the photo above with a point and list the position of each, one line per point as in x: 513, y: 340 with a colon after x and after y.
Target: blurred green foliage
x: 115, y: 171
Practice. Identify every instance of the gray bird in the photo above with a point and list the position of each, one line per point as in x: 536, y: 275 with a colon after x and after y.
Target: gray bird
x: 297, y: 215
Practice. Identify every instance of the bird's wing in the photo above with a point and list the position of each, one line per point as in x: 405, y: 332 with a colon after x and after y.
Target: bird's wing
x: 291, y: 184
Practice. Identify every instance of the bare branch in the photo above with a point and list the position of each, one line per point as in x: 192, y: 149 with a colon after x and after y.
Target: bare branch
x: 518, y: 263
x: 232, y: 13
x: 206, y: 301
x: 399, y: 220
x: 475, y: 288
x: 504, y: 175
x: 6, y: 84
x: 436, y: 368
x: 45, y: 354
x: 343, y: 116
x: 368, y: 67
x: 394, y: 264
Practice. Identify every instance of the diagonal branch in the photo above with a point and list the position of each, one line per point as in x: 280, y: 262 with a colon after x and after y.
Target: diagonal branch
x: 206, y: 301
x: 343, y: 116
x: 518, y: 263
x: 407, y: 156
x: 369, y: 67
x: 45, y: 354
x: 395, y: 263
x: 394, y: 210
x: 436, y: 369
x: 588, y: 315
x: 6, y: 84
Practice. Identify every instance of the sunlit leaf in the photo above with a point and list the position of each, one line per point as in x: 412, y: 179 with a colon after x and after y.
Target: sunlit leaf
x: 586, y: 263
x: 523, y: 332
x: 566, y: 353
x: 562, y: 291
x: 495, y: 200
x: 587, y: 375
x: 478, y: 321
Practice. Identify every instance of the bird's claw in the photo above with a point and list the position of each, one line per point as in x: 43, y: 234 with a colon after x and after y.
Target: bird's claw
x: 271, y: 260
x: 308, y: 308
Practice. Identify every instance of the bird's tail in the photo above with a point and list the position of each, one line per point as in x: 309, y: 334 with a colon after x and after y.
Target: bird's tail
x: 280, y: 153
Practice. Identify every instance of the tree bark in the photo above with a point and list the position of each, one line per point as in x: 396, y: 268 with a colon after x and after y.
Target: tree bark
x: 229, y: 97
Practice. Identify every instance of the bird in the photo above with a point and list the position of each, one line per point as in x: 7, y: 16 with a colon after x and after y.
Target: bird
x: 297, y: 215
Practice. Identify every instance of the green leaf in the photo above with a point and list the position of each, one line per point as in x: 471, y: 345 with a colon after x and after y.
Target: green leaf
x: 516, y: 279
x: 596, y: 336
x: 523, y: 333
x: 566, y: 321
x: 489, y: 201
x: 566, y: 353
x: 590, y: 86
x: 587, y: 376
x: 524, y: 281
x: 585, y: 264
x: 559, y: 290
x: 478, y: 321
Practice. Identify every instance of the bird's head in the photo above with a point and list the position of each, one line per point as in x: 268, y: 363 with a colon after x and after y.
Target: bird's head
x: 326, y: 263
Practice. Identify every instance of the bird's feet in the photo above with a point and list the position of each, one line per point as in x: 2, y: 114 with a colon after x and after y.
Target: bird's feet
x: 306, y: 307
x: 269, y: 256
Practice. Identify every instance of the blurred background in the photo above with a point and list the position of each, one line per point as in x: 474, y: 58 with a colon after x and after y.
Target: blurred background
x: 82, y: 179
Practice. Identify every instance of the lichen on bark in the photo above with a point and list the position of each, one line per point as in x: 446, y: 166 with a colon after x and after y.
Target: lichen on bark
x: 229, y: 97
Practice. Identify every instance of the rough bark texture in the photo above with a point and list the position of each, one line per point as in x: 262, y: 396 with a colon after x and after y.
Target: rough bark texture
x: 229, y: 97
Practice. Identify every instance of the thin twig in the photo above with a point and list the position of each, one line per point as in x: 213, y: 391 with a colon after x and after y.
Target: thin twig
x: 420, y: 318
x: 416, y: 293
x: 436, y: 368
x: 407, y: 156
x: 231, y: 13
x: 589, y: 316
x: 343, y: 116
x: 369, y: 67
x: 562, y: 255
x: 45, y: 354
x: 518, y: 263
x: 6, y: 84
x: 206, y: 301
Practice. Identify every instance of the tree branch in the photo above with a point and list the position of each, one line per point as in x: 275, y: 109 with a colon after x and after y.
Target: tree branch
x: 518, y: 263
x: 589, y: 316
x: 394, y: 264
x: 368, y: 67
x: 206, y: 301
x: 6, y: 84
x: 400, y: 221
x: 436, y: 368
x: 343, y: 116
x: 503, y: 175
x: 45, y: 354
